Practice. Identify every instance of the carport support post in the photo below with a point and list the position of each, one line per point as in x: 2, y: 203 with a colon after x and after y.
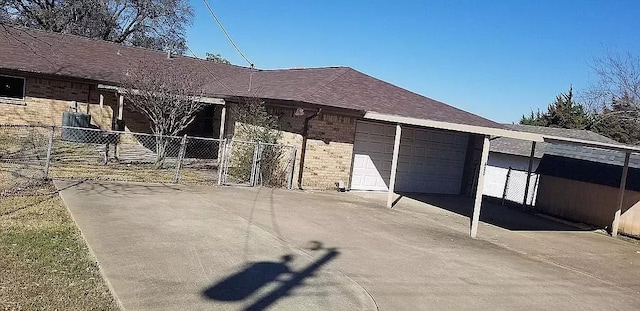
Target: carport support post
x: 475, y: 218
x: 526, y: 188
x: 394, y: 165
x: 623, y: 185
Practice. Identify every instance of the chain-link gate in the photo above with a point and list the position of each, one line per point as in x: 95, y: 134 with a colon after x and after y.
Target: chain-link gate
x: 258, y: 164
x: 515, y: 185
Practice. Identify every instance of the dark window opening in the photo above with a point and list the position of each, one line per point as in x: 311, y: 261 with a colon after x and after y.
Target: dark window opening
x: 11, y: 87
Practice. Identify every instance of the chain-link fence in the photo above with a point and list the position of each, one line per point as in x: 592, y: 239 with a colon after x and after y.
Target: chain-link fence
x: 509, y: 184
x: 23, y: 157
x: 516, y: 184
x: 30, y: 154
x: 252, y: 164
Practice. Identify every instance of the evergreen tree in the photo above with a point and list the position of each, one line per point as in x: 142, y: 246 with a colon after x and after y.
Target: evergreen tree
x: 564, y: 112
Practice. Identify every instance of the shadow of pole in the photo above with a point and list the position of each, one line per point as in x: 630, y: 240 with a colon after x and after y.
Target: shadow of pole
x: 295, y: 281
x: 243, y: 284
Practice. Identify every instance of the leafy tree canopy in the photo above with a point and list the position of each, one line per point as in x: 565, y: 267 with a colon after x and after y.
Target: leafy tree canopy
x: 217, y: 58
x: 156, y: 24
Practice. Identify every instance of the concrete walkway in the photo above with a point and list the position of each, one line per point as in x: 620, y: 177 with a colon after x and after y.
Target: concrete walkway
x: 167, y: 247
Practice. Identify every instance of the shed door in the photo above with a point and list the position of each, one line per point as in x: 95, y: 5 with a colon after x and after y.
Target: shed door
x: 430, y: 160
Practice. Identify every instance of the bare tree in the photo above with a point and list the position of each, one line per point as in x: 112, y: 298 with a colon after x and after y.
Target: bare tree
x: 168, y: 95
x: 615, y: 97
x: 157, y: 24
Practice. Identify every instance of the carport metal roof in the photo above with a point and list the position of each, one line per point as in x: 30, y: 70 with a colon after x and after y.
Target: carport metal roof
x: 487, y: 132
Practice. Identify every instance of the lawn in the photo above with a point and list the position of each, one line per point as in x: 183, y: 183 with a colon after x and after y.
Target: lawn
x: 45, y: 262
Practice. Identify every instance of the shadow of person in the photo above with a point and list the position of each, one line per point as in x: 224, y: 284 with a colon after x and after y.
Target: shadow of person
x: 244, y: 283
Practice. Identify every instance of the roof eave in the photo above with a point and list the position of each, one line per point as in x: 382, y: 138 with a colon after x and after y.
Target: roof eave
x: 594, y: 144
x: 473, y: 129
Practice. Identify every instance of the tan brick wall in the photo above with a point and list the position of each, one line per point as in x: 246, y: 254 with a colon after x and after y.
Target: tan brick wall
x: 329, y: 147
x: 329, y: 151
x: 46, y: 99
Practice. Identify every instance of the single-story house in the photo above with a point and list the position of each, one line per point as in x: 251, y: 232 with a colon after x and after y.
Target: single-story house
x: 347, y: 126
x: 342, y: 144
x: 508, y: 164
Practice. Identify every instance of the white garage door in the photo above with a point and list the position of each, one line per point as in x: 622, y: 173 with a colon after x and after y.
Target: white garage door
x: 430, y: 161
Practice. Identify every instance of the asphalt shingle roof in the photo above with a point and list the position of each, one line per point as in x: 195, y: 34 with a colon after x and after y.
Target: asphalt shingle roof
x: 26, y: 50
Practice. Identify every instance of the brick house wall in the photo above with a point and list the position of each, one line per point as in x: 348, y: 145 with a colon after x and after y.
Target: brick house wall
x: 329, y: 151
x: 329, y: 144
x: 46, y: 99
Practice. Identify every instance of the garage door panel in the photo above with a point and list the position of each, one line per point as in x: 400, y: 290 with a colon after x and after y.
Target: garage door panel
x: 429, y: 161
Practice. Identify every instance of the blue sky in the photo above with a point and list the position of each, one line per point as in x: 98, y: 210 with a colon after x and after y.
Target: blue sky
x: 498, y: 59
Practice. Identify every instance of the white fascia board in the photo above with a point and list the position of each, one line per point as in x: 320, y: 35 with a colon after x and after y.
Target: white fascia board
x: 212, y: 100
x: 370, y: 115
x: 202, y: 99
x: 588, y: 143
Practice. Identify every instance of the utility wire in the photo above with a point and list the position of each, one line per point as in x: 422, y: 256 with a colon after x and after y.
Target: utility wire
x: 209, y: 70
x: 226, y: 33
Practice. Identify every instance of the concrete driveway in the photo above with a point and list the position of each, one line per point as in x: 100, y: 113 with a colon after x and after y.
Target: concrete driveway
x: 172, y: 247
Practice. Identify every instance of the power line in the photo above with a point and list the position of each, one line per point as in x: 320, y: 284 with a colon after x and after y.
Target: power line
x: 209, y: 70
x: 226, y: 33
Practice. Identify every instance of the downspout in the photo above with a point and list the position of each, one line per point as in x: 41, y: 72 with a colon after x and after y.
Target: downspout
x: 305, y: 132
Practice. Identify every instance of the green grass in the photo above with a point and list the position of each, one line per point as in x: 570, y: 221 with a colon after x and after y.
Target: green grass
x: 44, y: 261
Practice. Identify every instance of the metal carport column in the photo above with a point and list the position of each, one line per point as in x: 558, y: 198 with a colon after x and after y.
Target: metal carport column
x: 623, y: 185
x: 394, y: 165
x: 475, y: 218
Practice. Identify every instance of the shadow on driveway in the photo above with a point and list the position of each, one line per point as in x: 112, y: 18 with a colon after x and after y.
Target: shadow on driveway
x: 502, y: 216
x: 246, y: 283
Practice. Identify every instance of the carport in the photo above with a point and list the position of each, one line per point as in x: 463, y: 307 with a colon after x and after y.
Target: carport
x: 443, y: 172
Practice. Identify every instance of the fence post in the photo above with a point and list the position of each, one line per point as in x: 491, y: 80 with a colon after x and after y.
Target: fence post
x: 534, y: 191
x: 183, y: 146
x: 252, y: 180
x: 49, y: 150
x: 292, y: 167
x: 506, y: 185
x: 257, y: 176
x: 221, y: 160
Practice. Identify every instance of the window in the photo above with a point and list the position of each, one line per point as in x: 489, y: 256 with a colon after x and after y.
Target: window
x: 12, y: 87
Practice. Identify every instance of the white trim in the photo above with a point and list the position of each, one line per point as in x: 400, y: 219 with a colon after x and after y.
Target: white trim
x: 202, y: 99
x: 454, y: 126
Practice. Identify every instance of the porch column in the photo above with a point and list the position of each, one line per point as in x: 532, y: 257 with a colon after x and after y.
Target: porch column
x: 223, y: 116
x: 394, y: 165
x: 475, y: 218
x: 120, y: 106
x: 623, y: 185
x: 526, y: 188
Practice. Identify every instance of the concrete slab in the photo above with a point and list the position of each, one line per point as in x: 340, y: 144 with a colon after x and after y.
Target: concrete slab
x: 204, y: 248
